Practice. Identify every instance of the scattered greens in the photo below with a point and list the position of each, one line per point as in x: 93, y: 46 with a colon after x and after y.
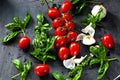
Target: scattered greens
x: 93, y: 19
x: 41, y: 42
x: 23, y: 68
x: 42, y: 2
x: 79, y: 5
x: 100, y: 57
x: 16, y: 27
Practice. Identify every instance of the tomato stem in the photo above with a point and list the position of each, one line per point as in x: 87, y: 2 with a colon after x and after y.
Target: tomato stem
x: 47, y: 4
x: 16, y: 75
x: 22, y: 30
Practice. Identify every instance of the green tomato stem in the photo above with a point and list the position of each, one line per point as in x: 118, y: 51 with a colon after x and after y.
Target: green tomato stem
x: 16, y: 75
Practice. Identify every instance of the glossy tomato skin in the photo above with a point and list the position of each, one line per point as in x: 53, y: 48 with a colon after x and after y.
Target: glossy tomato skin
x: 74, y: 49
x: 63, y: 53
x: 60, y: 31
x: 71, y: 36
x: 53, y: 13
x: 24, y: 42
x: 59, y: 42
x: 66, y: 6
x: 108, y: 41
x: 67, y: 17
x: 58, y: 22
x: 70, y: 25
x: 42, y: 70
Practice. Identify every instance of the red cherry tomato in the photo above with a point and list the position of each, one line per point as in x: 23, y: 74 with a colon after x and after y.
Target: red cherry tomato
x: 53, y: 13
x: 71, y: 36
x: 59, y: 42
x: 67, y: 17
x: 41, y: 70
x: 63, y: 53
x: 70, y: 25
x: 24, y: 42
x: 57, y: 23
x: 74, y: 49
x: 108, y: 41
x: 66, y: 6
x: 60, y: 31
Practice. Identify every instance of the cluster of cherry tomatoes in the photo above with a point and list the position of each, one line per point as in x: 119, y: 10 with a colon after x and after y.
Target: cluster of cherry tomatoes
x: 64, y: 30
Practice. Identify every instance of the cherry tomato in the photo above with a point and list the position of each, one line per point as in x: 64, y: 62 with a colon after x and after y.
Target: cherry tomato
x: 74, y: 49
x: 70, y: 25
x: 63, y: 53
x: 108, y: 41
x: 71, y: 36
x: 67, y: 17
x: 41, y: 70
x: 24, y: 42
x: 66, y: 6
x: 57, y: 23
x: 60, y: 31
x: 59, y: 42
x: 53, y: 13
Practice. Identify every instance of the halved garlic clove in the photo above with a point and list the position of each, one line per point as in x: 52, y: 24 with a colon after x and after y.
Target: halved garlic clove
x: 80, y: 37
x: 79, y: 60
x: 89, y: 29
x: 97, y: 8
x: 88, y: 40
x: 69, y: 63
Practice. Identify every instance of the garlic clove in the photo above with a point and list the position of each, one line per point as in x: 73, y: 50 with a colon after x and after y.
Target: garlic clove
x: 88, y: 40
x: 69, y: 63
x: 79, y: 60
x: 97, y: 8
x: 89, y: 29
x: 80, y: 37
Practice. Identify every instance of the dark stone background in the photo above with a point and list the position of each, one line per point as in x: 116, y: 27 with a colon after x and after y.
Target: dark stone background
x: 10, y: 51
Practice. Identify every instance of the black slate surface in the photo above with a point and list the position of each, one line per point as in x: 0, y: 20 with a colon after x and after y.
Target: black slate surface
x: 10, y: 51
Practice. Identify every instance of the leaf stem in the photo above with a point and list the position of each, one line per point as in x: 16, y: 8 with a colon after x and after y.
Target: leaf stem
x: 47, y: 3
x: 22, y: 30
x: 112, y: 59
x: 16, y: 75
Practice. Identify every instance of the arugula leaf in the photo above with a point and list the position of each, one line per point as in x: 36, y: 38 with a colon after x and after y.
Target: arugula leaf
x: 94, y: 61
x: 102, y: 70
x: 40, y: 18
x: 18, y: 64
x: 26, y: 20
x: 16, y: 20
x: 9, y: 37
x: 13, y: 27
x: 58, y: 76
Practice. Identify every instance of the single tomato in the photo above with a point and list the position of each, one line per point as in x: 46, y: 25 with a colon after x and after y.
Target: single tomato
x: 53, y: 13
x: 70, y: 25
x: 58, y: 22
x: 108, y: 41
x: 59, y: 42
x: 74, y: 49
x: 71, y: 36
x: 41, y: 70
x: 60, y: 31
x: 66, y: 6
x: 24, y: 42
x: 67, y: 17
x: 63, y: 53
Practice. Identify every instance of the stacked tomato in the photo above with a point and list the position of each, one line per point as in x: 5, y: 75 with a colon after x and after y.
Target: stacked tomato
x: 64, y: 30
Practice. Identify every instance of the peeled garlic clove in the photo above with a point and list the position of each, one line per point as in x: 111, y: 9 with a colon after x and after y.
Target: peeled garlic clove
x: 69, y: 63
x: 80, y: 37
x: 97, y: 8
x: 88, y: 40
x: 89, y: 29
x: 79, y: 60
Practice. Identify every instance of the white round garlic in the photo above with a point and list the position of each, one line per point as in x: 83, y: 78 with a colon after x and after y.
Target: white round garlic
x: 97, y: 8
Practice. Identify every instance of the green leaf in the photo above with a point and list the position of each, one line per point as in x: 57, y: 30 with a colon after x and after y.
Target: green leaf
x: 102, y: 70
x: 16, y: 20
x: 74, y: 1
x: 13, y: 27
x: 27, y: 68
x: 40, y: 18
x: 51, y: 0
x: 58, y: 76
x: 26, y: 20
x: 9, y: 37
x: 18, y: 64
x: 94, y: 61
